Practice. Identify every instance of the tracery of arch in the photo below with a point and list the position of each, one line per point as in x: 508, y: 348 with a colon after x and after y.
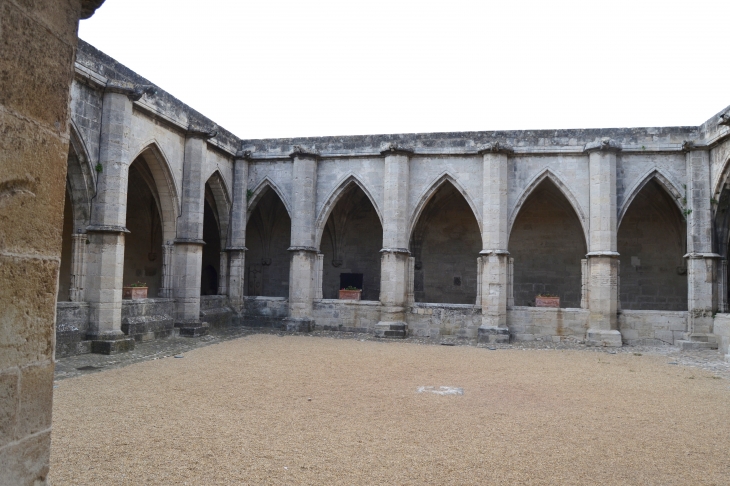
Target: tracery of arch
x: 350, y: 243
x: 445, y: 243
x: 652, y: 240
x: 268, y: 236
x: 547, y: 243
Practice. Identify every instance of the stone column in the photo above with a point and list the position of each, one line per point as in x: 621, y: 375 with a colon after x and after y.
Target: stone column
x: 303, y: 269
x: 494, y: 256
x: 223, y: 278
x: 602, y: 256
x: 237, y: 242
x: 189, y: 242
x: 394, y: 255
x: 78, y: 250
x: 108, y: 224
x: 168, y: 252
x: 701, y: 260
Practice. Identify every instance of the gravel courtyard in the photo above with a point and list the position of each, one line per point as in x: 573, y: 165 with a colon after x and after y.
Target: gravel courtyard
x: 268, y: 409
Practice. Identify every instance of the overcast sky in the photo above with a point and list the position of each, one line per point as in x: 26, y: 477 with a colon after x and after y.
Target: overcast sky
x: 281, y: 68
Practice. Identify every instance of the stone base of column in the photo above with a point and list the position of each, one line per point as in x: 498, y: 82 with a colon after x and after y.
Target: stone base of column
x: 391, y: 330
x: 698, y: 341
x: 111, y: 342
x: 298, y: 324
x: 192, y: 329
x: 493, y: 335
x: 605, y: 338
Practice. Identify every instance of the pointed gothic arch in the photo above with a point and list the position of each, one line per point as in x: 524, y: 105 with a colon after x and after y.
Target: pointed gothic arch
x: 548, y: 174
x: 80, y: 180
x: 222, y: 199
x: 654, y: 174
x: 432, y: 189
x: 341, y: 188
x: 260, y: 190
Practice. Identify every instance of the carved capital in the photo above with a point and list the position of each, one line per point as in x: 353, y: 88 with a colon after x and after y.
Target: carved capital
x: 134, y: 92
x: 243, y: 155
x: 605, y: 145
x: 195, y: 131
x: 392, y: 148
x: 496, y: 148
x: 303, y: 153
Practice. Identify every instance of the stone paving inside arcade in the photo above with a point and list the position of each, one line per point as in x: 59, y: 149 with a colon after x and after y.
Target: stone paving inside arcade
x: 241, y: 406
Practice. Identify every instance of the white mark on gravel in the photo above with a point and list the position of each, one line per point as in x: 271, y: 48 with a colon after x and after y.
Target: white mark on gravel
x: 442, y: 390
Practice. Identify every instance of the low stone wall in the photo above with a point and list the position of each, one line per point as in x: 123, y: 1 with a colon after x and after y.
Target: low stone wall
x: 147, y: 319
x: 651, y: 327
x: 546, y: 324
x: 72, y: 322
x: 216, y: 311
x: 722, y: 331
x: 437, y: 320
x: 346, y: 315
x: 263, y: 312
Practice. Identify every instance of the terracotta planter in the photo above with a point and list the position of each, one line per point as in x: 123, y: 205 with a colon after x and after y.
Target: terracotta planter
x: 541, y: 301
x: 350, y: 294
x: 134, y: 293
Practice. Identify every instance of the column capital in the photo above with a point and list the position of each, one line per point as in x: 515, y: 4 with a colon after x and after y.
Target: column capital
x: 299, y: 152
x: 197, y: 131
x: 605, y: 254
x: 106, y: 228
x: 134, y: 92
x: 396, y: 250
x: 496, y: 148
x: 494, y: 252
x: 698, y: 255
x: 392, y: 148
x: 309, y: 249
x: 189, y: 241
x: 236, y: 248
x: 603, y: 145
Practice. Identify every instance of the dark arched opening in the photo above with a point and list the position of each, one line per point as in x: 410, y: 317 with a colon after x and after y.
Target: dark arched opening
x: 547, y: 243
x: 268, y: 236
x: 212, y: 249
x: 351, y: 244
x: 445, y: 243
x: 143, y: 243
x: 651, y: 242
x: 64, y: 274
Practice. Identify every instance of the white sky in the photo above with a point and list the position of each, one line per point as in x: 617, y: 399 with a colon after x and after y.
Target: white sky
x: 281, y: 68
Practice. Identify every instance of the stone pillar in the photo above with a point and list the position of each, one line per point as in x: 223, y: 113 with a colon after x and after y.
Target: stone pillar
x: 168, y: 252
x: 108, y: 224
x: 511, y: 283
x: 701, y: 260
x: 602, y: 256
x: 78, y: 250
x: 303, y: 269
x: 319, y: 275
x: 237, y: 242
x: 494, y: 256
x: 584, y: 280
x: 722, y: 287
x: 394, y: 255
x: 223, y: 279
x: 189, y: 242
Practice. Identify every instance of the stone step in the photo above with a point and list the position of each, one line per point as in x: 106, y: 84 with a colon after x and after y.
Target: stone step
x: 694, y: 345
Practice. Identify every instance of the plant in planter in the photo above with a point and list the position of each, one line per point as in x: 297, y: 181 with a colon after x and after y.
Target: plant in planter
x: 350, y: 293
x: 135, y: 291
x: 547, y: 300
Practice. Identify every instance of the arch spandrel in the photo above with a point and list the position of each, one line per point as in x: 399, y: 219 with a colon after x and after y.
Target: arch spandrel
x: 222, y: 203
x: 80, y: 179
x: 432, y: 189
x: 334, y: 197
x: 542, y: 176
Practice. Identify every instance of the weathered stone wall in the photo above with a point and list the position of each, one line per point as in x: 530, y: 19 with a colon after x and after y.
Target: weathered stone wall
x: 651, y: 242
x: 547, y: 324
x: 345, y: 315
x: 72, y: 322
x: 147, y: 319
x: 444, y: 320
x: 722, y: 331
x: 37, y: 49
x: 216, y: 311
x: 263, y: 312
x: 652, y: 327
x: 547, y: 243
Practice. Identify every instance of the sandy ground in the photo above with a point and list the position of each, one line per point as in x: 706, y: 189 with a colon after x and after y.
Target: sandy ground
x: 266, y: 409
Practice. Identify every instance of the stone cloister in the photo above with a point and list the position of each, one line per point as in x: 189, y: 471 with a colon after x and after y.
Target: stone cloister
x: 450, y: 234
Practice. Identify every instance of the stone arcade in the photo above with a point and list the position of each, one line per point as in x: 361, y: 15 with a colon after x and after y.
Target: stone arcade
x: 450, y: 234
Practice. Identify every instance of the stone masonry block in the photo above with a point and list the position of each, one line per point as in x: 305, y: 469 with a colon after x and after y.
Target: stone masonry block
x: 9, y: 398
x: 26, y: 462
x: 28, y: 291
x: 36, y: 399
